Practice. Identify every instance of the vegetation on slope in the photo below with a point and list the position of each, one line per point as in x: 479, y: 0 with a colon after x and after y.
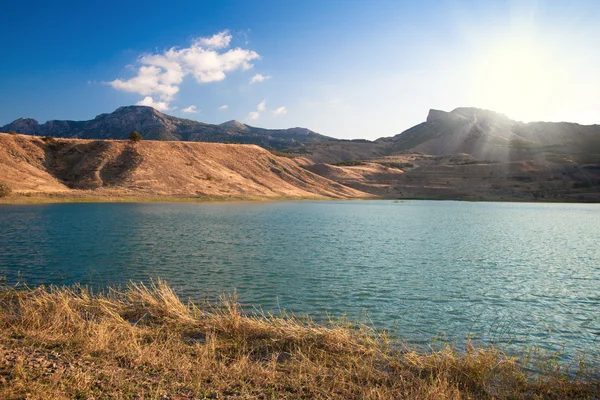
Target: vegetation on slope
x: 143, y: 342
x: 5, y: 189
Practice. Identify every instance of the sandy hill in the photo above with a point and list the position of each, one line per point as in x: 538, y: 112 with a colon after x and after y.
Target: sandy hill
x: 31, y: 164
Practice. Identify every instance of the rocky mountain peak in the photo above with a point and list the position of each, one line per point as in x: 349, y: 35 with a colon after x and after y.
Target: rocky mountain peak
x: 136, y: 109
x: 23, y: 125
x: 435, y: 115
x: 233, y: 124
x: 154, y: 125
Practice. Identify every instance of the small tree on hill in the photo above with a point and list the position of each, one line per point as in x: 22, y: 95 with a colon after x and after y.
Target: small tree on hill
x: 5, y: 190
x: 135, y: 136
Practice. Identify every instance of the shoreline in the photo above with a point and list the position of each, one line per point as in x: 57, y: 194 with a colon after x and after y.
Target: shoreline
x: 62, y: 199
x: 66, y: 198
x: 67, y: 342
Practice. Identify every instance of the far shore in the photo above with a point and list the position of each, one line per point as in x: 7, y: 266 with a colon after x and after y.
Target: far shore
x: 91, y: 197
x: 57, y: 198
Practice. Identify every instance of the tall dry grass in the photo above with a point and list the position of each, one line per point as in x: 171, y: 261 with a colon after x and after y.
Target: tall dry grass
x: 143, y: 342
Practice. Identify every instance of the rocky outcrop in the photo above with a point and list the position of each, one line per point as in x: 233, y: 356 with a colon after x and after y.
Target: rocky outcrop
x: 23, y: 125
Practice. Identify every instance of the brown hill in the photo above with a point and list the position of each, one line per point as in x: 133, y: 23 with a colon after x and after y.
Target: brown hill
x: 463, y: 177
x: 35, y: 165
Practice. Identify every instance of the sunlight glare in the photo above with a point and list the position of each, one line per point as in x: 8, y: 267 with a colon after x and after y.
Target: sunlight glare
x: 520, y: 79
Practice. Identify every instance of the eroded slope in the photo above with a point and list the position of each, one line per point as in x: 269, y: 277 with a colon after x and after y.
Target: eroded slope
x: 42, y: 165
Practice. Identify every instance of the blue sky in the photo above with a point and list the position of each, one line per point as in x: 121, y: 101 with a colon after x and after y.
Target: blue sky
x: 348, y: 69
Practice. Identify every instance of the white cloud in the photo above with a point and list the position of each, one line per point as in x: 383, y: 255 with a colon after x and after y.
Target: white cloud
x: 224, y: 107
x: 280, y: 111
x: 259, y: 78
x: 191, y: 109
x: 149, y: 81
x: 259, y: 108
x: 216, y: 41
x: 149, y: 101
x: 160, y: 75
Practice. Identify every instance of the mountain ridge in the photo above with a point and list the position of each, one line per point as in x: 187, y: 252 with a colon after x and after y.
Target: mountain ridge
x: 467, y: 153
x: 154, y: 125
x: 481, y: 133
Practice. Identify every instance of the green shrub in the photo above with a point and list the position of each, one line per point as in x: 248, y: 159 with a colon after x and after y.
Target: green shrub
x: 283, y: 154
x: 5, y: 189
x: 135, y: 136
x: 349, y: 163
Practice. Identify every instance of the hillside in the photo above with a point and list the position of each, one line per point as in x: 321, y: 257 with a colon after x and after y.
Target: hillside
x: 467, y: 153
x: 463, y: 177
x: 482, y: 134
x: 487, y: 135
x: 35, y: 165
x: 154, y: 125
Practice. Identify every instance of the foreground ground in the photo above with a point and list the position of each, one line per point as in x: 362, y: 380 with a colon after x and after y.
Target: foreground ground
x: 143, y: 342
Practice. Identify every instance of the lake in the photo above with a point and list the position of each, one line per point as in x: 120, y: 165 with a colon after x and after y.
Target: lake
x: 507, y: 273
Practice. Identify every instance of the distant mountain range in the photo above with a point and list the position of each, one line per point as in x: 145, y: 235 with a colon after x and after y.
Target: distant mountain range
x: 488, y: 135
x: 155, y: 125
x: 483, y: 134
x: 468, y: 153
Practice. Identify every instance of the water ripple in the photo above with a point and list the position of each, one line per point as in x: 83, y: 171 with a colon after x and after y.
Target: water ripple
x: 498, y: 272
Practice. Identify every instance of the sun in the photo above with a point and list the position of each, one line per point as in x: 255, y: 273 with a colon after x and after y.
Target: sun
x: 519, y: 78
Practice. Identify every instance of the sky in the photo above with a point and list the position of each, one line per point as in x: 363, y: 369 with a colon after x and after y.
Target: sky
x: 344, y: 68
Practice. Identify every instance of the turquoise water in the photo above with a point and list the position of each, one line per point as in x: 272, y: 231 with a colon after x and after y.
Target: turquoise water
x: 498, y: 272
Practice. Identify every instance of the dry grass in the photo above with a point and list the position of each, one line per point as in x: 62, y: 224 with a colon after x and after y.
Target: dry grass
x: 143, y: 342
x: 85, y: 197
x: 100, y: 168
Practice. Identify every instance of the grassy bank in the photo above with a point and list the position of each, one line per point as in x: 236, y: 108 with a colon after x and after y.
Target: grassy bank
x: 143, y: 342
x: 59, y: 198
x: 55, y: 198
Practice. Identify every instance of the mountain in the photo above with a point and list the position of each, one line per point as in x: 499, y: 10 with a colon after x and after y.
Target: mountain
x: 481, y: 134
x: 154, y: 125
x: 469, y: 153
x: 487, y: 135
